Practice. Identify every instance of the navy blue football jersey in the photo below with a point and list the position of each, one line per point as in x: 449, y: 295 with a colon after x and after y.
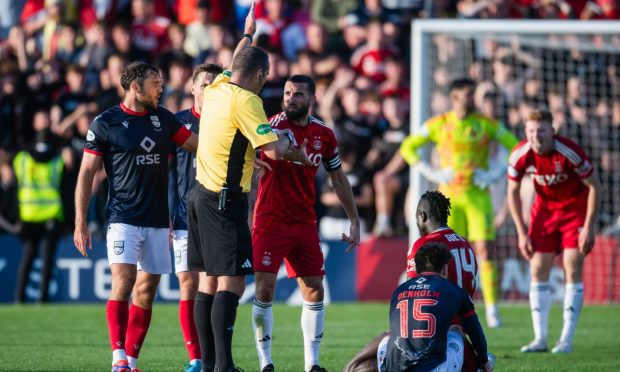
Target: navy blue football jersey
x: 135, y: 148
x: 186, y: 170
x: 421, y: 312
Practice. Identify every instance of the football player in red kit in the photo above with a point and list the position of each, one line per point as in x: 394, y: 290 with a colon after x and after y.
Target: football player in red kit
x: 562, y: 221
x: 285, y: 223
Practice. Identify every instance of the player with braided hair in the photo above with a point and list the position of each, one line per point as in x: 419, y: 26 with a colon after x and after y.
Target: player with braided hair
x: 432, y: 221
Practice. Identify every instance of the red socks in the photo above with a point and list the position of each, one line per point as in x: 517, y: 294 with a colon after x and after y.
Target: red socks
x: 138, y: 325
x: 188, y: 326
x: 117, y: 313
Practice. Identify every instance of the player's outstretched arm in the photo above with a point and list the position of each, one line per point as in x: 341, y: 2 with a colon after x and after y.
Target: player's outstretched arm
x: 249, y: 29
x: 83, y: 190
x: 587, y: 234
x: 514, y: 204
x: 341, y: 185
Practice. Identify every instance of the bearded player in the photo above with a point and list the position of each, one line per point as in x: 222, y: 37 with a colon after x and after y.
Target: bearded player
x: 285, y: 223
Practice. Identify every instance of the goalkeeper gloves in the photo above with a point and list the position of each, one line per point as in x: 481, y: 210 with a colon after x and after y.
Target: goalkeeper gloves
x: 485, y: 178
x: 437, y: 175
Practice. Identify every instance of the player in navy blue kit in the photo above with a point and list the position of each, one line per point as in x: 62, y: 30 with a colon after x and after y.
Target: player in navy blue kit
x: 132, y: 141
x: 421, y: 311
x: 185, y: 179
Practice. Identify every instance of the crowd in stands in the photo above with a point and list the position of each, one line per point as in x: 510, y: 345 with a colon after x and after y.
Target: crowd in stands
x: 61, y: 60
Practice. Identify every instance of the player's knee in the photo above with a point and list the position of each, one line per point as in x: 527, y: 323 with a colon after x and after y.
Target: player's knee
x: 234, y: 284
x: 188, y: 289
x: 188, y: 282
x: 122, y: 287
x: 265, y: 291
x: 314, y: 294
x: 456, y: 329
x: 573, y: 274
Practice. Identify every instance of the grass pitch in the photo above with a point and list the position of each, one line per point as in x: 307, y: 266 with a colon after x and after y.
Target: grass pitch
x: 74, y: 338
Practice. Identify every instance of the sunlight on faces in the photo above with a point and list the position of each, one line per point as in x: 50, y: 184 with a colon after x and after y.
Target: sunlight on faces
x: 203, y: 80
x: 463, y: 99
x: 148, y: 94
x: 297, y: 100
x: 540, y: 135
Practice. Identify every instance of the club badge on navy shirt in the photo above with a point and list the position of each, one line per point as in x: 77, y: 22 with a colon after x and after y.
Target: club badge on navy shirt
x: 156, y: 123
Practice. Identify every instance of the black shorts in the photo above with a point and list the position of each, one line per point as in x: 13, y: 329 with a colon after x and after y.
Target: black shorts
x: 219, y: 241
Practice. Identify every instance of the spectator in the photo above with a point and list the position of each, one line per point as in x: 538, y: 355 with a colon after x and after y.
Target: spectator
x: 369, y: 59
x: 326, y: 61
x: 335, y: 220
x: 601, y: 9
x: 276, y: 23
x: 330, y: 14
x: 273, y: 90
x: 198, y: 38
x: 9, y: 106
x: 373, y: 9
x: 149, y: 30
x: 69, y: 44
x: 389, y: 181
x: 175, y: 50
x: 178, y: 75
x: 9, y: 204
x: 71, y: 104
x: 93, y: 56
x: 38, y: 171
x: 394, y: 83
x: 122, y: 44
x: 111, y: 90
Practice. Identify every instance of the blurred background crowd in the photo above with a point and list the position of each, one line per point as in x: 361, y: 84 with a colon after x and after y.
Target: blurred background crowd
x: 61, y: 60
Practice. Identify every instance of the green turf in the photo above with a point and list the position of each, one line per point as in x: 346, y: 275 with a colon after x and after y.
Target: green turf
x: 74, y: 338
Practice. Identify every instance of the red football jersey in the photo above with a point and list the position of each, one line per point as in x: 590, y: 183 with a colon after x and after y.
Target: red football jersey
x: 557, y: 176
x: 287, y: 195
x: 371, y: 62
x: 462, y: 270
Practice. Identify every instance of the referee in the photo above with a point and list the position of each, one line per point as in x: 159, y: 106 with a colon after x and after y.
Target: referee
x: 233, y: 126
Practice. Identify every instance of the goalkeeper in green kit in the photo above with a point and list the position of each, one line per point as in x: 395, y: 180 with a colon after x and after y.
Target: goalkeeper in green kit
x: 463, y: 137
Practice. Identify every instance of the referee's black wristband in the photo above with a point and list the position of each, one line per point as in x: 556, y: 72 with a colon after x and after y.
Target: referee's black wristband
x: 248, y: 36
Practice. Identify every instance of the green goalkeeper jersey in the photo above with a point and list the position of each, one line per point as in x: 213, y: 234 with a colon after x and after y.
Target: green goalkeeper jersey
x: 463, y: 144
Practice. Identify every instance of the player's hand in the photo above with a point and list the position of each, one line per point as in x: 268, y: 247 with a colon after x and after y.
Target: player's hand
x: 250, y: 21
x: 353, y: 239
x: 482, y: 178
x: 437, y: 175
x: 261, y: 167
x: 525, y: 246
x: 490, y: 366
x: 298, y: 154
x: 586, y: 240
x: 81, y: 239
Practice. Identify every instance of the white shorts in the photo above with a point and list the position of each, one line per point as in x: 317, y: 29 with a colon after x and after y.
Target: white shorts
x: 382, y: 351
x: 454, y: 353
x: 179, y: 245
x: 146, y: 247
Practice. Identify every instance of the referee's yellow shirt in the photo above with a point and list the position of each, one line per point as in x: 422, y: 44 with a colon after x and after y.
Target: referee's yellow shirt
x: 231, y: 120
